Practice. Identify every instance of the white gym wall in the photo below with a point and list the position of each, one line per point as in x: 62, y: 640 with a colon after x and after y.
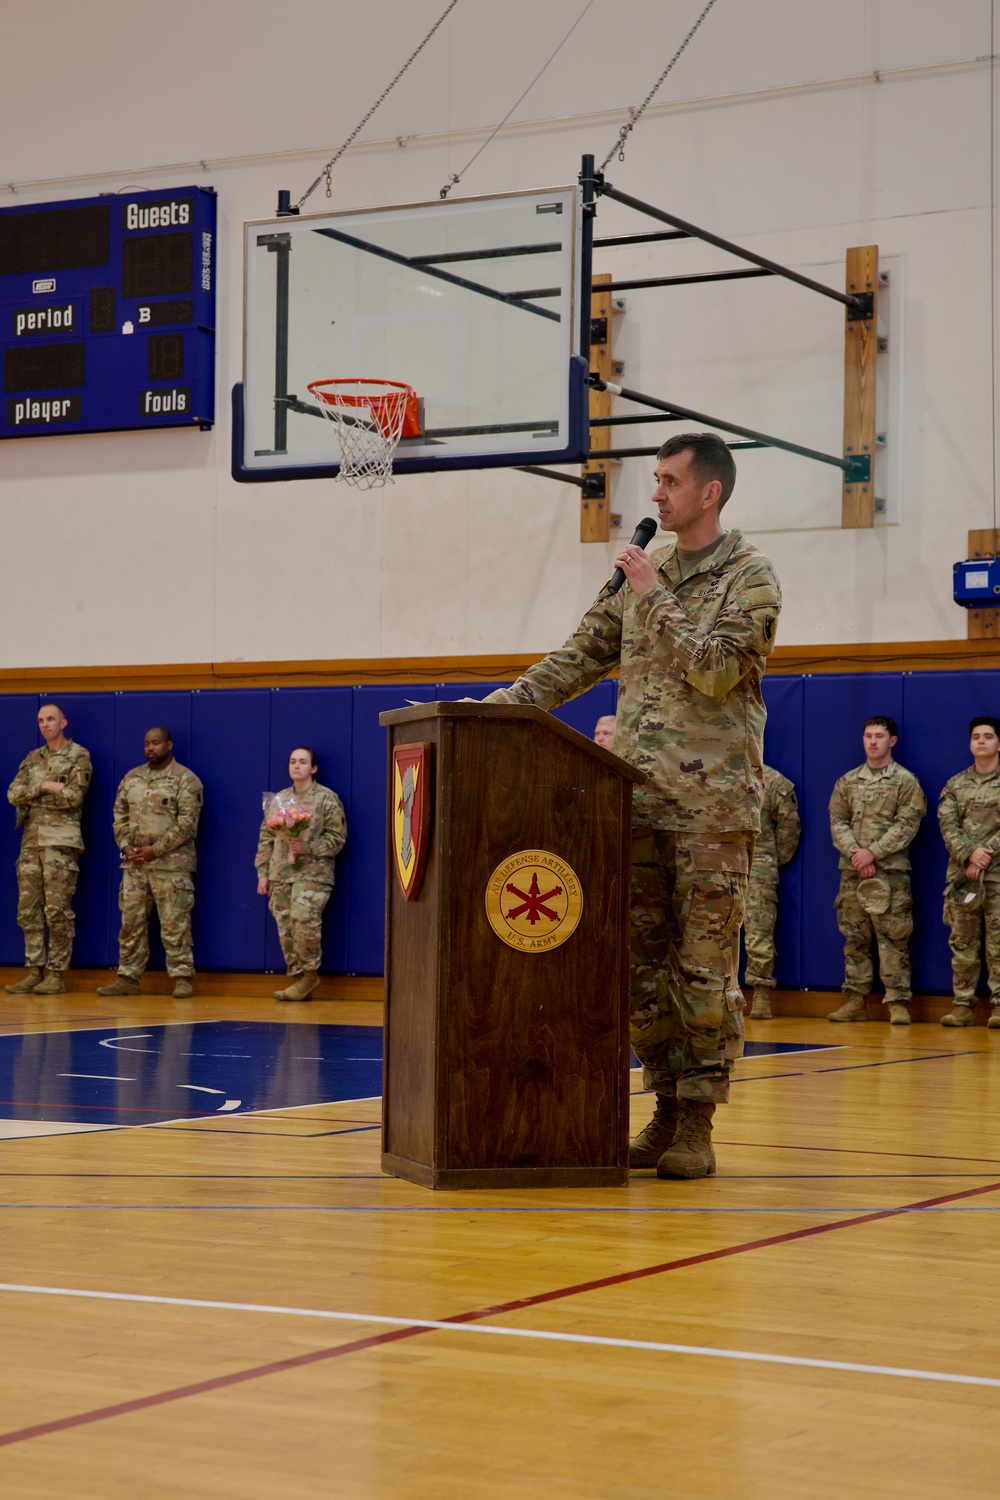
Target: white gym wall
x: 795, y: 127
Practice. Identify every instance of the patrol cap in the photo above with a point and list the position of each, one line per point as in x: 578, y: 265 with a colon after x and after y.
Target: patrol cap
x: 874, y: 895
x: 968, y: 894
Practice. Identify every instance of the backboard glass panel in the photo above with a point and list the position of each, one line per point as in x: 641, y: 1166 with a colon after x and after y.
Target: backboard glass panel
x: 474, y: 303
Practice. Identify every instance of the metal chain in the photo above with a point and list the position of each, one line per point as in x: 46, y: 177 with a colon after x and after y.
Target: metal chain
x: 626, y: 130
x: 455, y: 177
x: 384, y: 95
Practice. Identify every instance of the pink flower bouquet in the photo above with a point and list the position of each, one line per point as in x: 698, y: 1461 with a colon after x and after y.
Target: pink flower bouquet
x: 287, y: 818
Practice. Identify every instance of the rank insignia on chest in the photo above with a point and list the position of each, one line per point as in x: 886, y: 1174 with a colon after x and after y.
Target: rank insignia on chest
x: 411, y: 815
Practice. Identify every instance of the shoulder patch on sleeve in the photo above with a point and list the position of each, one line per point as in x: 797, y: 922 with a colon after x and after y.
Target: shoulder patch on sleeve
x: 759, y: 596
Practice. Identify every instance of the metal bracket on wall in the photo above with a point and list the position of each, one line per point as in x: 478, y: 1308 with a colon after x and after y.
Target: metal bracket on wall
x: 860, y: 356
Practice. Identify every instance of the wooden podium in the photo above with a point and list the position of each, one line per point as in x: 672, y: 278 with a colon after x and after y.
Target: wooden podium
x: 506, y: 1040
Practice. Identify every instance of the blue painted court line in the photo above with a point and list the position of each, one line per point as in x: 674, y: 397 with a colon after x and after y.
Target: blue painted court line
x: 146, y: 1075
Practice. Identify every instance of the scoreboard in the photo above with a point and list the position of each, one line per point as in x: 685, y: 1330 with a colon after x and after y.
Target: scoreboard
x: 107, y: 313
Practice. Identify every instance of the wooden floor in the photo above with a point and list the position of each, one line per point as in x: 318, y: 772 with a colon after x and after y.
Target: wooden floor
x: 822, y: 1319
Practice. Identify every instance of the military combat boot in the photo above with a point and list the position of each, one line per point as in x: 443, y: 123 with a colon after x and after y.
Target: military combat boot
x: 960, y: 1015
x: 690, y: 1152
x: 899, y: 1015
x: 123, y: 985
x: 27, y: 985
x: 302, y: 988
x: 52, y: 984
x: 855, y: 1008
x: 182, y: 988
x: 994, y: 1021
x: 650, y: 1144
x: 760, y: 1010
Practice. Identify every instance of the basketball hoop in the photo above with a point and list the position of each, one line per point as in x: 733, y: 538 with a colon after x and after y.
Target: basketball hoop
x: 370, y: 417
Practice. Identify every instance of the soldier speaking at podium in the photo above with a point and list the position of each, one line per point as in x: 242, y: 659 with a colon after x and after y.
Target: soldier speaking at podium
x: 690, y: 633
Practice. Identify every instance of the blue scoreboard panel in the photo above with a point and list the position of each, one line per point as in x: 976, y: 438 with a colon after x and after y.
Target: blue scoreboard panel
x: 107, y: 313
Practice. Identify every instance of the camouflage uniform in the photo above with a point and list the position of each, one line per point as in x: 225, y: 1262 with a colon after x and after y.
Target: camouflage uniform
x: 969, y: 815
x: 47, y: 866
x: 301, y: 889
x: 878, y: 810
x: 691, y: 651
x: 159, y: 807
x: 776, y: 843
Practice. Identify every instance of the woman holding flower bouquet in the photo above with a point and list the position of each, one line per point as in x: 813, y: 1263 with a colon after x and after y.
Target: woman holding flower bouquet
x: 303, y: 831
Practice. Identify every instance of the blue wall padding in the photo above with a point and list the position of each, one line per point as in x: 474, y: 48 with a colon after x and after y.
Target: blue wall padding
x: 230, y: 738
x: 783, y: 751
x: 238, y: 742
x: 18, y: 735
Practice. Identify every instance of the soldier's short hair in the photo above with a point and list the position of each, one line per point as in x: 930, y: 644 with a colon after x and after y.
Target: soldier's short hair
x: 710, y: 459
x: 59, y: 710
x: 160, y: 729
x: 885, y: 722
x: 990, y: 723
x: 313, y: 761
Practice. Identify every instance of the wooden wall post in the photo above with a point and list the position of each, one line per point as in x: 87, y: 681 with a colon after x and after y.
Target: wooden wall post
x: 860, y: 356
x: 984, y: 624
x: 595, y: 514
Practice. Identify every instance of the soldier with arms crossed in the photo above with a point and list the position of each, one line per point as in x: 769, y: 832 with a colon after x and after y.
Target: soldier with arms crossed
x: 875, y: 811
x: 48, y: 792
x: 776, y: 843
x: 690, y: 634
x: 300, y: 886
x: 969, y: 815
x: 157, y: 809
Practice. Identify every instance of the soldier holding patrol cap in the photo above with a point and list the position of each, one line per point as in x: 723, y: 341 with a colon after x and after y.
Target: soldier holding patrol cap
x: 969, y: 815
x: 875, y: 811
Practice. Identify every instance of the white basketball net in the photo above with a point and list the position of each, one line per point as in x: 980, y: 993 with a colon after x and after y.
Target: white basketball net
x: 368, y: 416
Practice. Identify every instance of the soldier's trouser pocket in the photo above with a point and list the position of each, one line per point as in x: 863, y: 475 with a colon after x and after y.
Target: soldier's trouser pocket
x: 897, y: 923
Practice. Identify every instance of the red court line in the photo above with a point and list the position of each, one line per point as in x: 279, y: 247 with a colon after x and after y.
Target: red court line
x: 859, y: 1151
x: 258, y: 1372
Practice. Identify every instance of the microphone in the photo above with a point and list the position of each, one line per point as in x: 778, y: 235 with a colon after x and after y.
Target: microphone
x: 641, y: 537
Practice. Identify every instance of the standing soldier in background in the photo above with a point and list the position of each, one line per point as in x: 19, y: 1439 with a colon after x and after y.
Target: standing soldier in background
x: 48, y: 792
x: 690, y: 633
x: 297, y: 874
x: 156, y: 819
x: 875, y: 812
x: 969, y: 815
x: 604, y: 731
x: 776, y: 843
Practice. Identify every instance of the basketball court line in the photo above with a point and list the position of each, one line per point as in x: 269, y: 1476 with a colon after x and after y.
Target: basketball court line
x: 858, y: 1151
x: 498, y: 1330
x: 765, y: 1210
x: 318, y: 1356
x: 125, y: 1025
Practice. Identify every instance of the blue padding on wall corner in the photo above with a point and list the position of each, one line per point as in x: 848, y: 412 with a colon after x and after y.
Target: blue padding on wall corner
x: 230, y: 732
x: 323, y: 719
x: 366, y: 937
x: 834, y: 709
x: 18, y: 736
x: 783, y: 749
x: 583, y: 713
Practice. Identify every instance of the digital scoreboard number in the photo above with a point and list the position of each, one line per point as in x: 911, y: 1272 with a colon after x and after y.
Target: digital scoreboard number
x: 107, y: 313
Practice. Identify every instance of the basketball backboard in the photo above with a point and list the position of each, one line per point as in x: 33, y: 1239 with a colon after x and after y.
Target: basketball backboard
x: 475, y: 303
